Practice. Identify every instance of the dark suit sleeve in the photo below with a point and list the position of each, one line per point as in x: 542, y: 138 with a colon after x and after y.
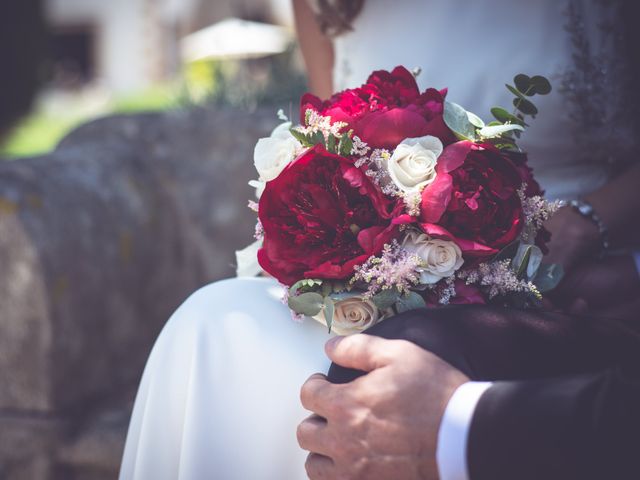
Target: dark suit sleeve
x: 494, y: 343
x: 575, y: 428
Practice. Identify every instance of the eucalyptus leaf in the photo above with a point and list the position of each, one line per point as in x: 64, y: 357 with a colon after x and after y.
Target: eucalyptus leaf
x: 339, y: 297
x: 523, y: 83
x: 329, y: 311
x: 515, y: 91
x: 410, y: 301
x: 521, y: 259
x: 525, y: 106
x: 507, y: 252
x: 541, y: 85
x: 339, y: 286
x: 327, y: 289
x: 535, y: 260
x: 457, y: 120
x: 497, y: 130
x: 475, y: 120
x: 506, y: 117
x: 527, y: 260
x: 308, y: 304
x: 548, y: 276
x: 386, y: 298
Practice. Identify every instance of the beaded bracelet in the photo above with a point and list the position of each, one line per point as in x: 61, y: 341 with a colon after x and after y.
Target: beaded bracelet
x: 587, y: 211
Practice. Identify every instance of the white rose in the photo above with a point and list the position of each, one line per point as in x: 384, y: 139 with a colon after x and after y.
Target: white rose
x: 259, y: 186
x: 439, y: 258
x: 247, y: 260
x: 352, y: 315
x: 272, y: 154
x: 413, y: 163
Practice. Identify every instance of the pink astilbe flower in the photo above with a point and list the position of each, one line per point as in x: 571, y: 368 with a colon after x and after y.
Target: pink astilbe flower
x: 395, y: 268
x: 498, y: 278
x: 536, y: 210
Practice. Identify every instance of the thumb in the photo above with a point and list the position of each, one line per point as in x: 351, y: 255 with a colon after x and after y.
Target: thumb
x: 361, y: 352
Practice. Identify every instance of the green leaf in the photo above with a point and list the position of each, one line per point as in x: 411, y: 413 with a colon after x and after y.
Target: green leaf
x: 339, y: 286
x: 541, y: 85
x: 506, y: 117
x: 527, y: 261
x: 507, y: 252
x: 386, y: 298
x: 525, y: 106
x: 329, y: 310
x: 327, y: 289
x: 331, y: 144
x: 345, y: 145
x: 523, y: 83
x: 301, y: 137
x: 516, y: 92
x: 521, y: 260
x: 457, y: 120
x: 318, y: 138
x: 475, y: 120
x: 497, y: 130
x: 308, y: 304
x: 339, y: 297
x: 410, y: 301
x: 548, y: 277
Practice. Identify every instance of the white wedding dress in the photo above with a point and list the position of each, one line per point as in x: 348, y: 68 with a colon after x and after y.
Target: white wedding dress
x: 219, y: 398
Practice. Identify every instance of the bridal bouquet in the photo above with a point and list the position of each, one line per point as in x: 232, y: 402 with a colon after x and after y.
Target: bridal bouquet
x: 386, y: 199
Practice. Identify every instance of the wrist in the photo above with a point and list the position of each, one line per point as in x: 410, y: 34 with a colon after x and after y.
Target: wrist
x: 582, y: 232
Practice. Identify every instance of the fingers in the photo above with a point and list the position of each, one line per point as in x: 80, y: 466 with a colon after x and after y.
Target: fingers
x: 318, y: 394
x: 312, y: 435
x: 363, y: 352
x: 319, y: 467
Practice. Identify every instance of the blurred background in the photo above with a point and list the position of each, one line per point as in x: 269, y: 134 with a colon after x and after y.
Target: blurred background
x: 123, y: 56
x: 126, y: 136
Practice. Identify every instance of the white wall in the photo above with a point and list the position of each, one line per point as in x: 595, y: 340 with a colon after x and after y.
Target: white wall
x: 120, y: 37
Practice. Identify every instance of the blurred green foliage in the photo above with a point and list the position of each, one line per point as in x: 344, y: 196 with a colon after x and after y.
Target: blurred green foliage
x: 245, y: 84
x: 40, y: 132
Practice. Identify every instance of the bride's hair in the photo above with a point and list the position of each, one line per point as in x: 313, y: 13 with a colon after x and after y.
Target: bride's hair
x: 336, y: 16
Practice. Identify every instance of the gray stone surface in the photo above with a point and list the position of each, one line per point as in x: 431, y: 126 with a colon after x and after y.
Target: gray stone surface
x: 99, y: 242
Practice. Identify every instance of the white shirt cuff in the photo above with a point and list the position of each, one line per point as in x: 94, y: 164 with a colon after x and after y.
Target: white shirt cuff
x: 451, y: 452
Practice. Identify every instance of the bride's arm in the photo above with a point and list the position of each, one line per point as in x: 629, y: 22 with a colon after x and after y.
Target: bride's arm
x: 576, y: 238
x: 317, y: 49
x: 610, y: 286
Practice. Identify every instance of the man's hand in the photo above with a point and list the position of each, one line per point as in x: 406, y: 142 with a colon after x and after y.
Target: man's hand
x: 384, y: 425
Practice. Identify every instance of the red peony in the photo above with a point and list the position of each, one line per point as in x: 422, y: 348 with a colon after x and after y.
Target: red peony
x: 386, y: 110
x: 321, y: 217
x: 474, y: 198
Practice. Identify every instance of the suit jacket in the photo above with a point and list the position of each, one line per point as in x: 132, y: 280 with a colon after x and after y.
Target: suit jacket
x: 566, y: 402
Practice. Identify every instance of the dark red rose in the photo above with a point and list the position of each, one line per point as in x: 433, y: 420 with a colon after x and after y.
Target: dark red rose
x: 474, y: 198
x: 385, y: 110
x: 322, y: 216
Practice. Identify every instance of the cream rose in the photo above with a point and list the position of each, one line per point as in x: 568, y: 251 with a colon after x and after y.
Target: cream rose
x: 247, y: 260
x: 272, y: 154
x: 413, y: 163
x: 352, y: 315
x: 438, y: 258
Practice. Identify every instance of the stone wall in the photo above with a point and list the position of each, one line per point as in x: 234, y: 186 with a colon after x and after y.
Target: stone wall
x: 99, y: 242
